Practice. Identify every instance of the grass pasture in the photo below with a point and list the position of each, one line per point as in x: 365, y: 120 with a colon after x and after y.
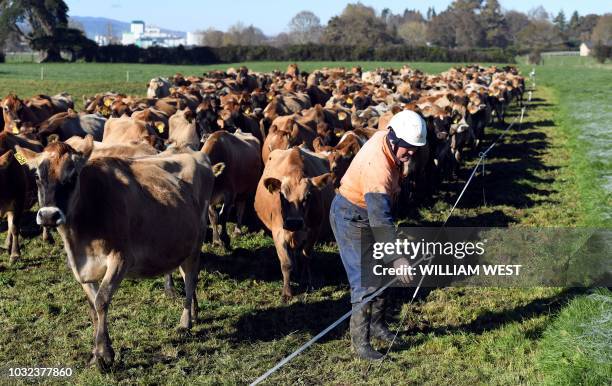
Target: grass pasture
x: 554, y: 170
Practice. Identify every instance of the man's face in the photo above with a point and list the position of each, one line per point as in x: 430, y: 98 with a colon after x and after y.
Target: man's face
x: 405, y: 153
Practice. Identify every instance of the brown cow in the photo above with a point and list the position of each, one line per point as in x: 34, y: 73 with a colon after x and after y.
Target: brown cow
x: 33, y: 111
x: 240, y: 152
x: 124, y: 219
x: 341, y: 155
x: 286, y: 132
x: 14, y: 184
x: 68, y: 124
x: 183, y: 130
x: 126, y: 130
x: 292, y: 200
x: 17, y: 190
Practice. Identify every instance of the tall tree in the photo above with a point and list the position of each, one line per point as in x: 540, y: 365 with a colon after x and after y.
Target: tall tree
x: 538, y: 13
x: 430, y: 13
x: 540, y: 35
x: 602, y: 33
x: 494, y: 22
x: 560, y: 21
x: 413, y: 33
x: 357, y: 25
x: 515, y: 21
x: 441, y: 30
x: 47, y: 23
x: 305, y: 27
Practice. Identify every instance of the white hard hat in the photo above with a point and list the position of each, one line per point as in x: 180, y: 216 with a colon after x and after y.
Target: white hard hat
x: 409, y: 127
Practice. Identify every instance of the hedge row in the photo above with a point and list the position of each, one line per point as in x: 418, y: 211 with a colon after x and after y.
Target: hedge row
x: 234, y: 54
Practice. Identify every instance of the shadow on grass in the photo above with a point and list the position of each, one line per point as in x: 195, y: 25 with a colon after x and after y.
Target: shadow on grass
x: 510, y: 178
x: 275, y: 323
x: 489, y: 320
x: 263, y: 264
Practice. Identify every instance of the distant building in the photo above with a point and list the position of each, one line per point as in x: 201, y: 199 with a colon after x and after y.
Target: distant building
x: 195, y: 38
x: 148, y: 36
x: 585, y: 48
x: 102, y: 40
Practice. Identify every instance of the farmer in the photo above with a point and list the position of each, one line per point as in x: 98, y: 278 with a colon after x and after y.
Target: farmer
x: 363, y: 201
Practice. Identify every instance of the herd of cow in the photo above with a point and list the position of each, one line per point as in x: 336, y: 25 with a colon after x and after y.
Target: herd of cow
x: 130, y: 183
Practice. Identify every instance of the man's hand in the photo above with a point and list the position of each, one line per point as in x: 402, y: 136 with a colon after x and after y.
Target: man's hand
x: 403, y: 265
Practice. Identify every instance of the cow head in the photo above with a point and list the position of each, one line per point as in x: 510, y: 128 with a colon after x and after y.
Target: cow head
x: 57, y: 171
x: 12, y: 108
x: 206, y: 119
x: 157, y: 88
x: 283, y: 134
x: 340, y: 158
x: 296, y: 197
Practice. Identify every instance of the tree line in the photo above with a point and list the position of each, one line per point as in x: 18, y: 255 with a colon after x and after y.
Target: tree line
x: 463, y: 25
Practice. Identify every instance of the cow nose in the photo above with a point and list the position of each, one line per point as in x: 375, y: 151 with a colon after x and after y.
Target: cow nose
x: 50, y: 216
x: 293, y: 224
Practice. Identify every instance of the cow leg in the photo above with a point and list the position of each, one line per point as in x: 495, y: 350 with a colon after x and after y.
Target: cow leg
x: 214, y: 222
x: 103, y: 354
x: 285, y: 263
x: 240, y: 207
x: 190, y: 269
x: 169, y: 285
x: 228, y: 203
x: 91, y: 290
x: 47, y: 237
x: 12, y: 237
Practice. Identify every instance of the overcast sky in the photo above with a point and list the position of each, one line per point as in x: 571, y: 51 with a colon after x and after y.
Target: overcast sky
x: 273, y: 16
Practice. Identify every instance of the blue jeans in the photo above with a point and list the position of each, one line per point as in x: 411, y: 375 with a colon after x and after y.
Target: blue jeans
x: 351, y: 228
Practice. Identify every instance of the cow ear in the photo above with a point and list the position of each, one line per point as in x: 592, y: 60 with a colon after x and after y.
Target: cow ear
x: 26, y: 156
x: 188, y: 114
x: 87, y: 147
x: 6, y: 159
x: 272, y: 184
x: 321, y: 181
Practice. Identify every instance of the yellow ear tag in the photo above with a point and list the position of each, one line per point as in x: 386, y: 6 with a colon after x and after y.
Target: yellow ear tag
x: 15, y: 130
x: 342, y: 116
x: 108, y: 102
x: 247, y: 111
x: 269, y: 97
x: 20, y: 158
x: 160, y: 126
x: 349, y: 100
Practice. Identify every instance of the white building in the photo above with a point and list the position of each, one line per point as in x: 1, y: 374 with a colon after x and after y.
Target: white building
x: 195, y: 38
x: 585, y: 48
x: 147, y: 36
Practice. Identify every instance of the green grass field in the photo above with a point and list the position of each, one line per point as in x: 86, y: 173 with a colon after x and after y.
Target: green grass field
x: 554, y: 170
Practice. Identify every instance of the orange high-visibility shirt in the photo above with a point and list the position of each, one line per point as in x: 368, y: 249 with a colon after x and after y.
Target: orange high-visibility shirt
x: 375, y: 169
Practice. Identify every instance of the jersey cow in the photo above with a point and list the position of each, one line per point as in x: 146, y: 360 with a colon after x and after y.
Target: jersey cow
x: 292, y: 200
x: 121, y: 218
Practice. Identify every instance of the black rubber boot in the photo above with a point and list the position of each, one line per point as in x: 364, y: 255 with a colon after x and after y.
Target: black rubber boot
x: 378, y: 328
x: 360, y: 333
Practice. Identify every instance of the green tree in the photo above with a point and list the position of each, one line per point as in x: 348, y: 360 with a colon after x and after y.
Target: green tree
x: 357, y: 25
x: 441, y: 30
x: 47, y: 23
x: 494, y: 22
x: 560, y: 21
